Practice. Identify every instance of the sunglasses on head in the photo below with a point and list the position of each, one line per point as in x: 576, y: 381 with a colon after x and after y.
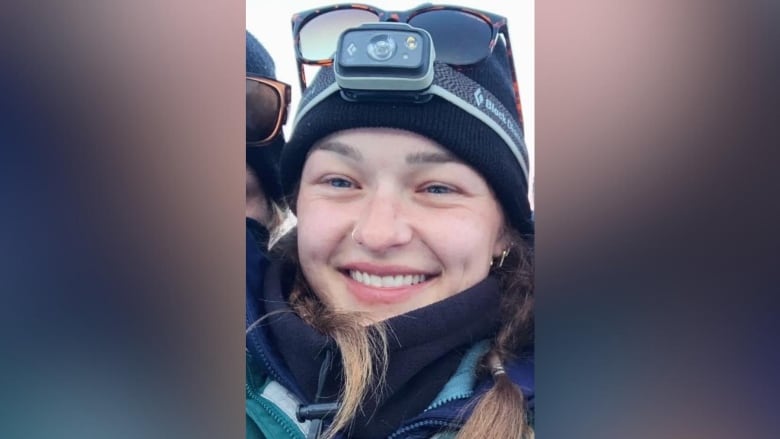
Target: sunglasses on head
x: 462, y: 36
x: 267, y: 101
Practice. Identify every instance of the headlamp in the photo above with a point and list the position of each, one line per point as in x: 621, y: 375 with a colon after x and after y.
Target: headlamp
x: 384, y: 61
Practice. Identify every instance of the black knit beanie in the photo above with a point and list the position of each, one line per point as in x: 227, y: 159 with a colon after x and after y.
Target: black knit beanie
x: 264, y: 160
x: 473, y: 114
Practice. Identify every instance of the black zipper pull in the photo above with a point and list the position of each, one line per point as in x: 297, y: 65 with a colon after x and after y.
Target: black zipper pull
x: 316, y: 411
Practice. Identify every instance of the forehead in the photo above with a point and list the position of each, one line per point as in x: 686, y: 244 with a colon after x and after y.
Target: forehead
x: 359, y: 143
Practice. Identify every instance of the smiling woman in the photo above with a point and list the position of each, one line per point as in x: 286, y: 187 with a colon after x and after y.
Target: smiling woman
x: 401, y: 304
x: 377, y: 209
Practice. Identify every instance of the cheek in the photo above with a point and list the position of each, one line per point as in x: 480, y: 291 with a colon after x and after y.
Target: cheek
x: 466, y: 239
x: 320, y: 230
x: 315, y: 246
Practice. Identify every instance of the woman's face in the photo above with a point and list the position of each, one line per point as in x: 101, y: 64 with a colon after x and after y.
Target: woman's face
x: 389, y: 221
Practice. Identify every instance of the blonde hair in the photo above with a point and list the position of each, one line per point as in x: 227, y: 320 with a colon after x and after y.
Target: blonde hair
x: 363, y: 351
x: 501, y: 411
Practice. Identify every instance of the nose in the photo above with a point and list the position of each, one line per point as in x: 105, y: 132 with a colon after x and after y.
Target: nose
x: 382, y: 224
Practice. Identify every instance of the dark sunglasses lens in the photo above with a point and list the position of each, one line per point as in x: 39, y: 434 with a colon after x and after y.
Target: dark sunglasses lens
x: 319, y: 37
x: 459, y: 38
x: 263, y: 105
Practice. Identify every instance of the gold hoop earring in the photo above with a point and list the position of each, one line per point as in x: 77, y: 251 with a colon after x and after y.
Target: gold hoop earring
x: 504, y: 254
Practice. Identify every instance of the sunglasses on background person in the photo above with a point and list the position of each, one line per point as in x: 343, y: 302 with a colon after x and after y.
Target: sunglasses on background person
x: 461, y: 36
x: 267, y: 102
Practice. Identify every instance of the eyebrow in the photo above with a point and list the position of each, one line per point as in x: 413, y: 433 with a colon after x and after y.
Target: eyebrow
x: 417, y: 158
x: 420, y: 158
x: 340, y: 148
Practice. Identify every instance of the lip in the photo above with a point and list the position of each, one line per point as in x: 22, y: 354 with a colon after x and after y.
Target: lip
x: 385, y: 295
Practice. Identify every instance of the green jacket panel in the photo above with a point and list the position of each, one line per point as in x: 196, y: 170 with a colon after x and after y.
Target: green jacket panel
x: 270, y: 408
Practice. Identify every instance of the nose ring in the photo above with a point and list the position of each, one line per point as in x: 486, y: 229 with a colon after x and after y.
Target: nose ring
x: 353, y: 235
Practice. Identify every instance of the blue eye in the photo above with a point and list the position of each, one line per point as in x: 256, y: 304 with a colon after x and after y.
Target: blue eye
x: 438, y: 189
x: 339, y: 182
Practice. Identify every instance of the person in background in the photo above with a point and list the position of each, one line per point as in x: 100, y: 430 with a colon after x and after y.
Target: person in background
x: 267, y: 101
x: 266, y: 109
x: 401, y: 304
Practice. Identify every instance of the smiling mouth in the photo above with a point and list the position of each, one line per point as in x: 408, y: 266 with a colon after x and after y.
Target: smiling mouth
x: 394, y: 281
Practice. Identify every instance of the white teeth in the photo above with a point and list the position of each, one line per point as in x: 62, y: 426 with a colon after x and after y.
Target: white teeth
x: 396, y: 281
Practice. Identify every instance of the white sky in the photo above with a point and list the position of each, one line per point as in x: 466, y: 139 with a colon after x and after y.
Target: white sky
x: 270, y: 22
